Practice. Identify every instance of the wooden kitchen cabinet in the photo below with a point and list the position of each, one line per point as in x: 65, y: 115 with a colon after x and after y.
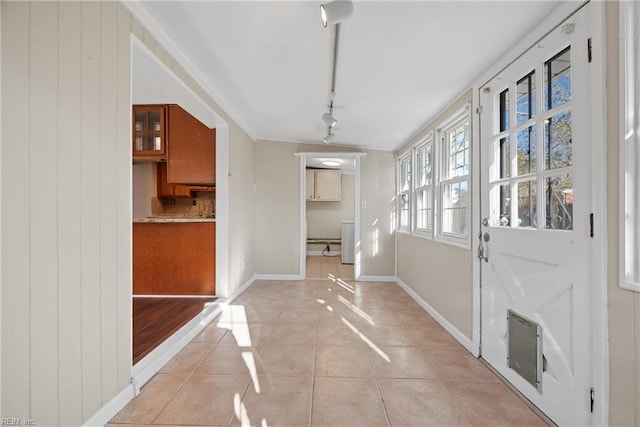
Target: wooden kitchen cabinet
x: 172, y: 258
x: 191, y: 149
x: 165, y: 189
x: 149, y: 132
x: 327, y: 185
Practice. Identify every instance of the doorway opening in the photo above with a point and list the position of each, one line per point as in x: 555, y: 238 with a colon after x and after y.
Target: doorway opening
x: 329, y: 218
x: 161, y: 318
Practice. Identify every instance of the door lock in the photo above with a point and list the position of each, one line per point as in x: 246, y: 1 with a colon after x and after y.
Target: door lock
x: 482, y: 239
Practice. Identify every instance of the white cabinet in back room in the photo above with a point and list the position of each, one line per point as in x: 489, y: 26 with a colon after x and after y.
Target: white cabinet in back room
x: 324, y: 185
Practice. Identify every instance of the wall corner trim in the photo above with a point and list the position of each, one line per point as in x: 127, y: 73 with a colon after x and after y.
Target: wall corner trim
x: 455, y: 332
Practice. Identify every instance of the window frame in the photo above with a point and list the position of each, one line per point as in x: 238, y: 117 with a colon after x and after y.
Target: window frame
x: 629, y: 146
x: 406, y: 156
x: 462, y: 116
x: 426, y: 143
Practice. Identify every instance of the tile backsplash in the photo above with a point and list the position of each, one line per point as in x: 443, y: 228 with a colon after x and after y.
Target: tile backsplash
x: 204, y: 206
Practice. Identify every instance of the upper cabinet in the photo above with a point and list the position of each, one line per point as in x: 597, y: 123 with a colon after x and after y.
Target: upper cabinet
x: 169, y: 133
x: 149, y: 137
x: 191, y: 150
x: 324, y: 185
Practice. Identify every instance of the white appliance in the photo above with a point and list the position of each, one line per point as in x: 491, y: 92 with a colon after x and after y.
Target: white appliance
x: 348, y: 242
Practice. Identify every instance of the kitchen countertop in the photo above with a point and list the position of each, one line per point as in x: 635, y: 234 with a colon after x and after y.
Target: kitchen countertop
x: 163, y: 219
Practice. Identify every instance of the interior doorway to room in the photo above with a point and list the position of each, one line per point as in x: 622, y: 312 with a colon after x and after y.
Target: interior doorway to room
x: 536, y: 201
x: 163, y: 312
x: 329, y: 215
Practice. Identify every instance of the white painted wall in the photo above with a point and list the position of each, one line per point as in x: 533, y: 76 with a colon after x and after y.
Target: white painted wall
x: 66, y: 215
x: 278, y: 207
x: 277, y: 243
x: 441, y: 274
x: 377, y: 233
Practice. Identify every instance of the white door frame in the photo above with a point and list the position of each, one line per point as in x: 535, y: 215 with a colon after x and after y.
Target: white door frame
x: 600, y: 353
x: 303, y: 206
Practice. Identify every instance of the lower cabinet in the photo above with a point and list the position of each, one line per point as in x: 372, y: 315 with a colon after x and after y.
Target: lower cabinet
x: 174, y: 258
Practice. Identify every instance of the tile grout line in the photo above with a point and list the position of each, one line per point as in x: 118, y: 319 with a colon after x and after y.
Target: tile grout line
x: 375, y: 378
x: 189, y: 375
x: 315, y: 358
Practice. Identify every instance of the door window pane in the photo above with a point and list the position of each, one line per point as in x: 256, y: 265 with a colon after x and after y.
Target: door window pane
x: 559, y: 202
x: 526, y: 150
x: 504, y: 110
x: 526, y: 98
x: 505, y: 158
x: 455, y: 205
x: 501, y: 205
x: 557, y: 79
x: 527, y: 204
x: 558, y: 141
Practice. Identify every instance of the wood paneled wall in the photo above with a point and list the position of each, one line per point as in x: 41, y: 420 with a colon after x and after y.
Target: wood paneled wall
x: 66, y: 208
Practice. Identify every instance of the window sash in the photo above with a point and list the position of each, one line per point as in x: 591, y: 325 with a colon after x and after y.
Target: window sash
x: 423, y: 192
x: 453, y: 214
x: 404, y: 194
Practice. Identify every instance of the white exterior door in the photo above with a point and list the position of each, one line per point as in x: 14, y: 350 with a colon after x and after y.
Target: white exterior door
x: 535, y: 205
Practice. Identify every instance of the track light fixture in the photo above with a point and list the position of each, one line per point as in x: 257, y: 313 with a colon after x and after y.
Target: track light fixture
x: 329, y: 119
x: 335, y: 12
x: 330, y: 137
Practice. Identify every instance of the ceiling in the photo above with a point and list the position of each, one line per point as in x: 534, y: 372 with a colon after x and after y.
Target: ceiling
x: 268, y: 63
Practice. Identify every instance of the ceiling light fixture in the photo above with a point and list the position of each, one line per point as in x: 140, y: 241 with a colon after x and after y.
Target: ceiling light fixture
x: 329, y: 119
x: 331, y: 163
x: 330, y: 137
x: 332, y: 13
x: 335, y: 12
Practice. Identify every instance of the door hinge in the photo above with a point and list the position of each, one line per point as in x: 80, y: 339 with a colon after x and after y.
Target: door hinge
x: 591, y: 224
x: 479, y: 109
x: 589, y: 50
x: 592, y: 395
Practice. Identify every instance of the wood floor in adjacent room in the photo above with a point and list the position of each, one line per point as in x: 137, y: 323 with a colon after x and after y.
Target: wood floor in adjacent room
x: 322, y: 267
x: 322, y: 352
x: 156, y: 319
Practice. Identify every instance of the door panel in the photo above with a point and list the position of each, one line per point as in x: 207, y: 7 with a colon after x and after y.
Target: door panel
x: 536, y: 198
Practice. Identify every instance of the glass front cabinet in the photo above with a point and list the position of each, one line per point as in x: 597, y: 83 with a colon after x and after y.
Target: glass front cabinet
x: 149, y: 133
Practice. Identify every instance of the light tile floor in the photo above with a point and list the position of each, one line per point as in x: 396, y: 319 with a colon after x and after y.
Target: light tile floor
x: 325, y: 353
x: 322, y: 267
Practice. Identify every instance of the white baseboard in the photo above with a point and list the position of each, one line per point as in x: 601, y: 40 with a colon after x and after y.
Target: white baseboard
x: 146, y: 368
x: 108, y: 411
x: 319, y: 253
x: 363, y: 278
x: 455, y: 332
x: 240, y: 290
x: 279, y: 277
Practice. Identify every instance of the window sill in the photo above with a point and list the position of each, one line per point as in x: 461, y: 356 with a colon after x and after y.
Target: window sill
x: 452, y: 241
